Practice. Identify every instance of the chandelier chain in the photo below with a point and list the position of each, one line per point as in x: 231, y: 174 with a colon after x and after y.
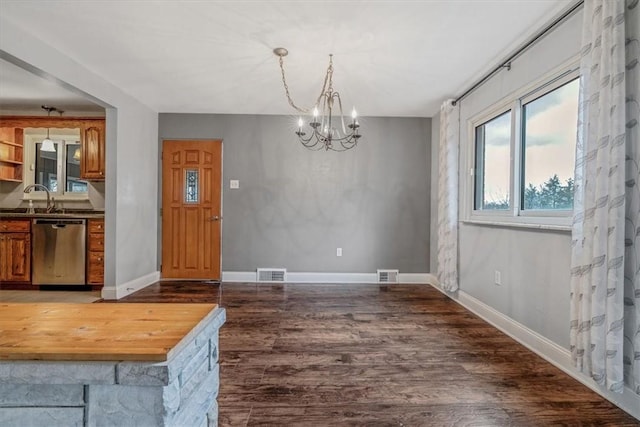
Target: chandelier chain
x: 327, y: 78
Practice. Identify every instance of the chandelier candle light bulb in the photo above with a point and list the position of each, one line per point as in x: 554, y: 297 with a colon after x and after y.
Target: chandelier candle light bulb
x: 323, y: 134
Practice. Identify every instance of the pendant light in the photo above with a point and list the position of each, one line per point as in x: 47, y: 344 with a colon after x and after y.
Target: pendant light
x: 47, y: 143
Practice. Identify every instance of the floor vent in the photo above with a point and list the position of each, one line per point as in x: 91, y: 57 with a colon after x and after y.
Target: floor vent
x: 388, y: 276
x: 272, y: 275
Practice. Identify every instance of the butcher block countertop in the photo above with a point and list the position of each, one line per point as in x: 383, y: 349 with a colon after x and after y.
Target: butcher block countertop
x: 92, y: 332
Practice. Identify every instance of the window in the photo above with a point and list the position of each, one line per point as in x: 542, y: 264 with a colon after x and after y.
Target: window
x: 493, y: 163
x: 524, y: 154
x: 549, y: 125
x: 57, y: 170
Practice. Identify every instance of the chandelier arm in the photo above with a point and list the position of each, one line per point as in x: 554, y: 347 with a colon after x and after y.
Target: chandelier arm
x: 342, y: 147
x: 344, y: 128
x: 348, y: 144
x: 310, y: 142
x: 325, y: 111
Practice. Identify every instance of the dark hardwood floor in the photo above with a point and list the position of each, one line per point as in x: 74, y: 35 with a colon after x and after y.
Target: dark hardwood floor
x: 392, y: 355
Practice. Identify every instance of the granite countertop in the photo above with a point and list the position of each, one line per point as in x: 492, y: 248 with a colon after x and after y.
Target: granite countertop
x: 39, y: 213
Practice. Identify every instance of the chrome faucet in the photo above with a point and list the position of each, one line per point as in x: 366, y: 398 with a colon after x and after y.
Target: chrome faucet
x: 51, y: 203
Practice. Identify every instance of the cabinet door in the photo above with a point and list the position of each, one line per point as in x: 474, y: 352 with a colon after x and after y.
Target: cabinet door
x: 16, y: 250
x: 95, y: 270
x: 93, y: 153
x: 4, y: 262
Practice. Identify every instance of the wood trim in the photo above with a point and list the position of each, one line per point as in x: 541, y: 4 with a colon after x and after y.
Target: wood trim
x: 49, y: 122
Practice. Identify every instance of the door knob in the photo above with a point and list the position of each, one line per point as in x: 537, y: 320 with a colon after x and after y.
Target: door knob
x: 215, y: 218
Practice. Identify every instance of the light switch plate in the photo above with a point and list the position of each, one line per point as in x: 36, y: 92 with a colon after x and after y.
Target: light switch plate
x: 234, y: 183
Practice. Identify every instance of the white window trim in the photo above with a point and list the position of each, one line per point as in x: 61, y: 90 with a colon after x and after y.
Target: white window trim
x: 28, y: 173
x: 515, y: 216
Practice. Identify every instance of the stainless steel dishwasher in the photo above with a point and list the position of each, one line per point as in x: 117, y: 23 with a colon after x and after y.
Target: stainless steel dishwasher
x: 58, y: 254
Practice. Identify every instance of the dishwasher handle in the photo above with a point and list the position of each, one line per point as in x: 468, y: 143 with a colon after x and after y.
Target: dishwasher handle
x: 59, y: 222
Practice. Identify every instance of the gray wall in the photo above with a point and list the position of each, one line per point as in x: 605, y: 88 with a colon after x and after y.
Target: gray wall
x: 534, y: 263
x: 435, y: 141
x: 294, y: 207
x: 132, y: 152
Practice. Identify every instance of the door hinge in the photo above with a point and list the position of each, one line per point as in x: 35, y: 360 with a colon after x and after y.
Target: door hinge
x: 160, y: 211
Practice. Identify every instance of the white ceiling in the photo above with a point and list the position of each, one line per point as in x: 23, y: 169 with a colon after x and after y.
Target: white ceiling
x: 391, y: 58
x: 22, y: 91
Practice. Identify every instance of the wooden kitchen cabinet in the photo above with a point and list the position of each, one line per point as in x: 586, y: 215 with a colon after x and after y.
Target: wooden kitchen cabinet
x: 92, y: 147
x: 11, y: 154
x: 95, y: 252
x: 92, y: 164
x: 15, y: 250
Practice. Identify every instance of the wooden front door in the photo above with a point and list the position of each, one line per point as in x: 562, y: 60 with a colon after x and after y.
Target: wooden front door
x: 191, y: 209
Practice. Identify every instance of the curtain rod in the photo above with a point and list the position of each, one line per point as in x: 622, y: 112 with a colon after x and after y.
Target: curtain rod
x: 507, y: 62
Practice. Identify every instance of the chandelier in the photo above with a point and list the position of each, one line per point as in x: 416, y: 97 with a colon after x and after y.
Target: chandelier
x: 325, y: 131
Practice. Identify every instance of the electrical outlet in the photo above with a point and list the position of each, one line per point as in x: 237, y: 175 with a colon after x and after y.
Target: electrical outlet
x: 234, y: 183
x: 339, y: 252
x: 498, y: 277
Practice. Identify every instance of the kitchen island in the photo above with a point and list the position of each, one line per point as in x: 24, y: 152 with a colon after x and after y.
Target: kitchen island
x: 109, y: 364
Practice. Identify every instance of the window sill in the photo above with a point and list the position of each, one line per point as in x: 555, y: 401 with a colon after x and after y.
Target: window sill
x: 527, y: 225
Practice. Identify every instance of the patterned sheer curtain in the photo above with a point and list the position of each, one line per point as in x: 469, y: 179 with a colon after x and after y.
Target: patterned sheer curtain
x: 604, y: 259
x: 631, y: 357
x: 448, y: 196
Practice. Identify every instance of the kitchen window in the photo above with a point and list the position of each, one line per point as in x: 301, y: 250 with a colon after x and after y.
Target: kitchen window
x: 524, y: 155
x: 57, y: 170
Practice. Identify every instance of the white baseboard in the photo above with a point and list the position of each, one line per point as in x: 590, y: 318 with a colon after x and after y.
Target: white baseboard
x: 124, y: 289
x: 239, y: 276
x: 307, y: 277
x: 535, y: 342
x: 419, y: 278
x: 545, y: 348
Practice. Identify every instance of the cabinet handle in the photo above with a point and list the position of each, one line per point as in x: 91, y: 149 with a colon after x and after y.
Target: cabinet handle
x: 99, y: 227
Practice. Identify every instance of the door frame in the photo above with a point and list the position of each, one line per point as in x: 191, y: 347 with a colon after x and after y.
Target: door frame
x: 161, y: 201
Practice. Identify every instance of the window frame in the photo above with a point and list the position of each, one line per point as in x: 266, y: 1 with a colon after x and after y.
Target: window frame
x: 493, y: 113
x: 29, y: 170
x: 516, y: 215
